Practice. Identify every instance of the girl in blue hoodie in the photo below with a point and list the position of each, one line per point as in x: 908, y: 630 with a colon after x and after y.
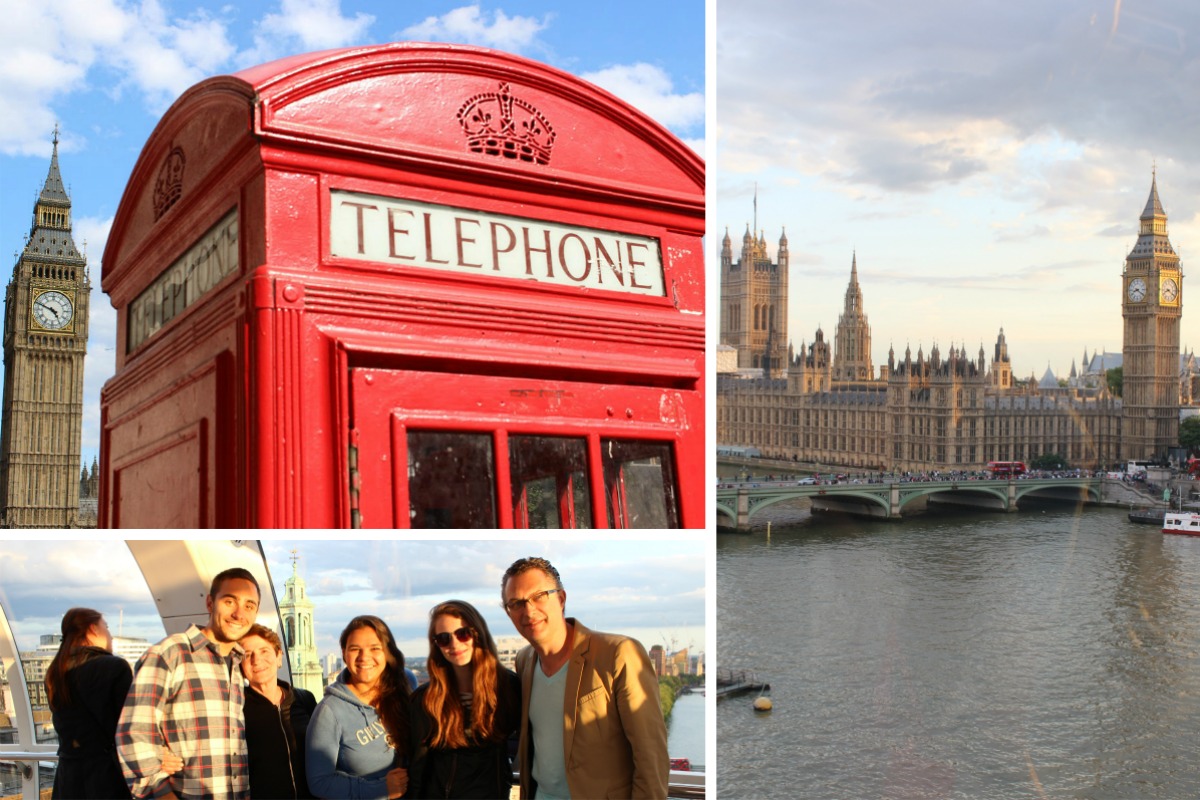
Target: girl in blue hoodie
x: 358, y: 737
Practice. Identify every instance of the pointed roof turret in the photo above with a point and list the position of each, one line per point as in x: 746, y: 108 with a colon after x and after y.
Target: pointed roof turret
x: 1153, y: 205
x: 54, y: 192
x: 1152, y: 238
x: 1048, y: 381
x: 50, y: 229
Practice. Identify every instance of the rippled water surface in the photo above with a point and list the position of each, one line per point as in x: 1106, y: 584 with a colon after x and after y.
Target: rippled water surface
x: 1044, y: 654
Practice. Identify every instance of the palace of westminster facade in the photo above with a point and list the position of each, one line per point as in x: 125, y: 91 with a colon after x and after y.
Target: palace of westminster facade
x: 824, y: 403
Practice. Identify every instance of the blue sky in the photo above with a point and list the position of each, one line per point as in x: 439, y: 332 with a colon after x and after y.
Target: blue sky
x: 987, y: 161
x: 654, y: 590
x: 104, y: 71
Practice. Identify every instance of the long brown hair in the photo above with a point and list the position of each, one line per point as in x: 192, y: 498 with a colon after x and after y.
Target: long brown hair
x: 73, y: 651
x: 442, y: 700
x: 391, y: 701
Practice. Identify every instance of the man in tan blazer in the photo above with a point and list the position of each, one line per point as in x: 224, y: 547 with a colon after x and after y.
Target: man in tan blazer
x: 591, y: 722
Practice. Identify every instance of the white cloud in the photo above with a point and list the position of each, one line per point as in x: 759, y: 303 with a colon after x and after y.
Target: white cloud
x: 100, y: 362
x: 468, y: 25
x: 145, y: 49
x: 304, y: 25
x: 649, y: 89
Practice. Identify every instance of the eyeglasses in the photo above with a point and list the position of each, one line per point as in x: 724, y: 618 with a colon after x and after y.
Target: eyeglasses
x: 537, y: 598
x: 464, y: 635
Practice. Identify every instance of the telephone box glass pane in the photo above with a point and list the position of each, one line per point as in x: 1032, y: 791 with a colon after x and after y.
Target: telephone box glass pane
x: 549, y: 482
x: 451, y: 479
x: 639, y: 482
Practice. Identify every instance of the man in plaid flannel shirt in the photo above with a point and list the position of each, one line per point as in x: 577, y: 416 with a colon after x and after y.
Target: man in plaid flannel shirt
x: 187, y: 697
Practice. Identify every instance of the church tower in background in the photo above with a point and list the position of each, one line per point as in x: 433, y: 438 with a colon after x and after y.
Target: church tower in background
x: 45, y: 341
x: 299, y: 637
x: 1152, y: 304
x: 754, y: 300
x: 852, y: 339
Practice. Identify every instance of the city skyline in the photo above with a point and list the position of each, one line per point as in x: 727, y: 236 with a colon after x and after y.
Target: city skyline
x: 105, y: 83
x: 985, y: 165
x: 653, y: 591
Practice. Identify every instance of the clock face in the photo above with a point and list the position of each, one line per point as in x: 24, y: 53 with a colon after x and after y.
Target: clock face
x: 1137, y: 290
x: 1170, y: 290
x: 52, y: 310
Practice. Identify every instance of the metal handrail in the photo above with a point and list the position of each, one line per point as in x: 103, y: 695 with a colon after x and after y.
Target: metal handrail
x: 683, y: 785
x: 18, y: 755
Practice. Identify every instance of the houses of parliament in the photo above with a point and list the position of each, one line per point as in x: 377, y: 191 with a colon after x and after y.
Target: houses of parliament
x: 825, y: 403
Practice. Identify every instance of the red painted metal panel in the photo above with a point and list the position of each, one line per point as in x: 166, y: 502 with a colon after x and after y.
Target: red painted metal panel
x: 261, y: 356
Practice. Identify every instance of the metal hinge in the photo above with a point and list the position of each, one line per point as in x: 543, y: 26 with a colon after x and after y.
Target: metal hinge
x: 355, y: 480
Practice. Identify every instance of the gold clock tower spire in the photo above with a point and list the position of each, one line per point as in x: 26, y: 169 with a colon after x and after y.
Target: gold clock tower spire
x: 1152, y: 305
x: 45, y: 341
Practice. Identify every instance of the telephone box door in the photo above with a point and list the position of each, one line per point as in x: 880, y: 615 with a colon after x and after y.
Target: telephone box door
x: 441, y: 450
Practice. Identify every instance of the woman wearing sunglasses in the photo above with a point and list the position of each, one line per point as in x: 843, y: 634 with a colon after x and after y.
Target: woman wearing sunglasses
x: 465, y: 715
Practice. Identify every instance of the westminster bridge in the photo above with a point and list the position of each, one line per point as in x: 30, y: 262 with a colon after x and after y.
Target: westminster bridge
x: 737, y: 503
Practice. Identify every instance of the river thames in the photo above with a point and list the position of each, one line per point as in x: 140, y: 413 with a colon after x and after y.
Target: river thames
x: 1050, y: 653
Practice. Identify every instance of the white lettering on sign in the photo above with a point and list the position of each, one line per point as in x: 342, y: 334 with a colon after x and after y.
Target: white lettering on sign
x: 393, y: 231
x: 194, y: 274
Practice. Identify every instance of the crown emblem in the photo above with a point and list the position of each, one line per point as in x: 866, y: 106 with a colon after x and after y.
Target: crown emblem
x: 168, y: 187
x: 499, y: 124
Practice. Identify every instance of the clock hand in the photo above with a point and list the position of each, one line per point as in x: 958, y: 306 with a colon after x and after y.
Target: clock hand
x: 48, y: 308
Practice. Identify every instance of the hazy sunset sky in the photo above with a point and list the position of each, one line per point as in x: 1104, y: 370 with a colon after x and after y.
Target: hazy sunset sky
x: 987, y: 161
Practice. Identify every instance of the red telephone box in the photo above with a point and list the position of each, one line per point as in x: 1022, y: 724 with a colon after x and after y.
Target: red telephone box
x: 410, y: 285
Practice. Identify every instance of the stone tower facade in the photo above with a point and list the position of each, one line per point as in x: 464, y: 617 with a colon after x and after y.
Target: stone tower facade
x: 299, y: 637
x: 45, y: 341
x: 1151, y: 305
x: 852, y: 340
x: 754, y: 295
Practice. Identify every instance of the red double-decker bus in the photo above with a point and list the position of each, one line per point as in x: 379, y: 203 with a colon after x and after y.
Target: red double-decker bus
x: 1003, y: 469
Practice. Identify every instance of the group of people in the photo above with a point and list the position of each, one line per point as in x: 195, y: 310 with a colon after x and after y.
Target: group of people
x: 205, y: 714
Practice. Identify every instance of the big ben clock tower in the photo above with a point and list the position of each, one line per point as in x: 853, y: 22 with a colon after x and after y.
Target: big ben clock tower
x: 1152, y: 304
x: 45, y: 341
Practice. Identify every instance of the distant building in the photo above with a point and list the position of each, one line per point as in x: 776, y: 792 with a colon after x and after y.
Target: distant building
x: 296, y: 611
x: 35, y: 662
x: 952, y: 410
x: 89, y: 495
x: 46, y: 323
x: 508, y: 647
x: 657, y: 658
x: 754, y: 292
x: 333, y: 665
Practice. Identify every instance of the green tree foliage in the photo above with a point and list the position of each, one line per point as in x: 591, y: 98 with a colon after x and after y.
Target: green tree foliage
x: 666, y: 696
x: 1048, y: 461
x: 1116, y: 380
x: 669, y: 687
x: 1189, y: 433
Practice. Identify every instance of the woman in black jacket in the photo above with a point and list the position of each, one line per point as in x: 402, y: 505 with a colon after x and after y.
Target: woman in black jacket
x: 87, y: 685
x: 277, y: 718
x: 464, y: 717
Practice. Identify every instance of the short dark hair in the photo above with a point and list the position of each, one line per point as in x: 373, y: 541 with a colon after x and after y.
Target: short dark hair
x: 263, y: 632
x: 233, y: 572
x: 522, y: 565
